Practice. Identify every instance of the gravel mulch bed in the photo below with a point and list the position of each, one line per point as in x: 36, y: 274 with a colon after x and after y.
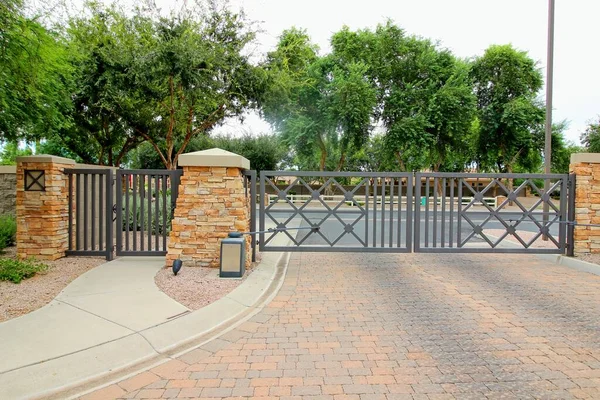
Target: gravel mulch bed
x: 196, y: 287
x: 36, y: 292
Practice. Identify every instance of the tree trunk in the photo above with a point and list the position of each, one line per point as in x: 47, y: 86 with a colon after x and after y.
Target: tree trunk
x: 323, y: 154
x: 341, y: 162
x: 510, y: 183
x: 440, y: 189
x: 401, y: 161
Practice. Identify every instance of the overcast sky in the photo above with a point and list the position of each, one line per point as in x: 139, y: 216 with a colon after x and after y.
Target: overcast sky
x: 467, y: 27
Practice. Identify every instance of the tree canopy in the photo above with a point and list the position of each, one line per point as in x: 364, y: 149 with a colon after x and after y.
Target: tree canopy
x: 111, y: 80
x: 591, y: 137
x: 164, y: 80
x: 35, y: 77
x: 317, y: 103
x: 263, y: 151
x: 506, y: 83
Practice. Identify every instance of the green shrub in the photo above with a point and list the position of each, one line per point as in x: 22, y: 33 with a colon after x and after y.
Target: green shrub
x: 17, y: 270
x: 128, y: 217
x: 8, y: 231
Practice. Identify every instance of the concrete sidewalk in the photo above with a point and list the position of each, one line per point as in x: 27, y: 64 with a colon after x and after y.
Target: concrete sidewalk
x: 109, y: 319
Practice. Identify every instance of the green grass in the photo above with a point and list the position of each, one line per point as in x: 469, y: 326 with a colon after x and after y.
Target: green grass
x: 17, y: 270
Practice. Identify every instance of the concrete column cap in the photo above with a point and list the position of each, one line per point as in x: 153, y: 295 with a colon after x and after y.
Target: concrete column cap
x: 585, y: 158
x: 8, y: 169
x: 45, y: 158
x: 213, y: 158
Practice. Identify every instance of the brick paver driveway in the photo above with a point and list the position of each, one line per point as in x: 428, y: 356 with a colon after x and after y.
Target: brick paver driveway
x: 360, y: 326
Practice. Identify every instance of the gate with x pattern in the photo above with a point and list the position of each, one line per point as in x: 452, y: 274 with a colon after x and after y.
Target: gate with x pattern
x: 422, y: 212
x: 344, y: 211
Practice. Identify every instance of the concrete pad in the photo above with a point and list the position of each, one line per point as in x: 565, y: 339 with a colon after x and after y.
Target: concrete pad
x: 135, y: 310
x: 38, y: 379
x: 123, y: 291
x: 126, y: 273
x: 52, y: 331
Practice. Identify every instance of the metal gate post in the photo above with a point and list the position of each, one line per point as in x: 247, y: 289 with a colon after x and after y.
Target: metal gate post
x: 571, y: 216
x: 119, y: 198
x: 253, y: 211
x: 417, y: 222
x: 109, y: 214
x: 261, y: 227
x: 175, y: 179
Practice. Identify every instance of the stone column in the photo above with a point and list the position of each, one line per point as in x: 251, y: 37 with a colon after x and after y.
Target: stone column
x: 8, y: 186
x: 43, y: 208
x: 586, y: 167
x: 212, y: 202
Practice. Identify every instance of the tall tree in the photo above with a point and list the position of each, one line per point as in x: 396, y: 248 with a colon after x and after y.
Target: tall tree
x: 590, y: 138
x: 164, y: 80
x: 10, y: 152
x: 562, y: 149
x: 102, y: 49
x: 424, y: 94
x: 511, y: 119
x: 316, y: 103
x: 35, y: 77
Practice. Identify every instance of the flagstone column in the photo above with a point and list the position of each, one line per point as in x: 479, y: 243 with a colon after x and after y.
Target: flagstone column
x: 586, y: 167
x: 42, y: 206
x: 212, y: 202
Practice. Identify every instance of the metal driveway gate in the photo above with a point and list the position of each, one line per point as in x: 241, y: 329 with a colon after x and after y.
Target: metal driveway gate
x: 343, y: 211
x: 506, y: 213
x: 145, y: 204
x: 451, y: 212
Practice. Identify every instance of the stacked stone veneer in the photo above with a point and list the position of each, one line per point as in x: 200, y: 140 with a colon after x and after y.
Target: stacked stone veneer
x: 42, y: 217
x: 212, y: 202
x: 8, y: 190
x: 586, y: 167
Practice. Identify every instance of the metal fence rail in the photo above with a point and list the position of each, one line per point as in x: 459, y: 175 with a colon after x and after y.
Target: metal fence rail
x: 450, y: 224
x: 345, y: 211
x: 90, y: 192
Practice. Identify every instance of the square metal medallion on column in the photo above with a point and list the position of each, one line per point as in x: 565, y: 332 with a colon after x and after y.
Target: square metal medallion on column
x: 35, y: 180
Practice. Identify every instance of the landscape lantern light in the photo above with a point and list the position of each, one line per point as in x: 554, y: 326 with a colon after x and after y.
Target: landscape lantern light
x: 233, y: 256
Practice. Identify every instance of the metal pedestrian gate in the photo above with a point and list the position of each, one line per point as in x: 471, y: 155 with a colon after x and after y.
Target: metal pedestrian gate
x: 145, y: 204
x: 122, y: 212
x: 422, y: 212
x: 91, y: 199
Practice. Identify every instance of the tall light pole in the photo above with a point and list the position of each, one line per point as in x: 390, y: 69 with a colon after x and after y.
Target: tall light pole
x: 549, y: 83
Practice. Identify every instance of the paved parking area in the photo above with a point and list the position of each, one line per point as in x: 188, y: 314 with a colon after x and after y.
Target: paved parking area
x: 365, y: 326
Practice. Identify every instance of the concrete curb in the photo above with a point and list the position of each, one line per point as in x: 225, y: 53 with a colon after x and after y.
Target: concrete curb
x: 571, y: 262
x: 565, y: 261
x: 155, y: 345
